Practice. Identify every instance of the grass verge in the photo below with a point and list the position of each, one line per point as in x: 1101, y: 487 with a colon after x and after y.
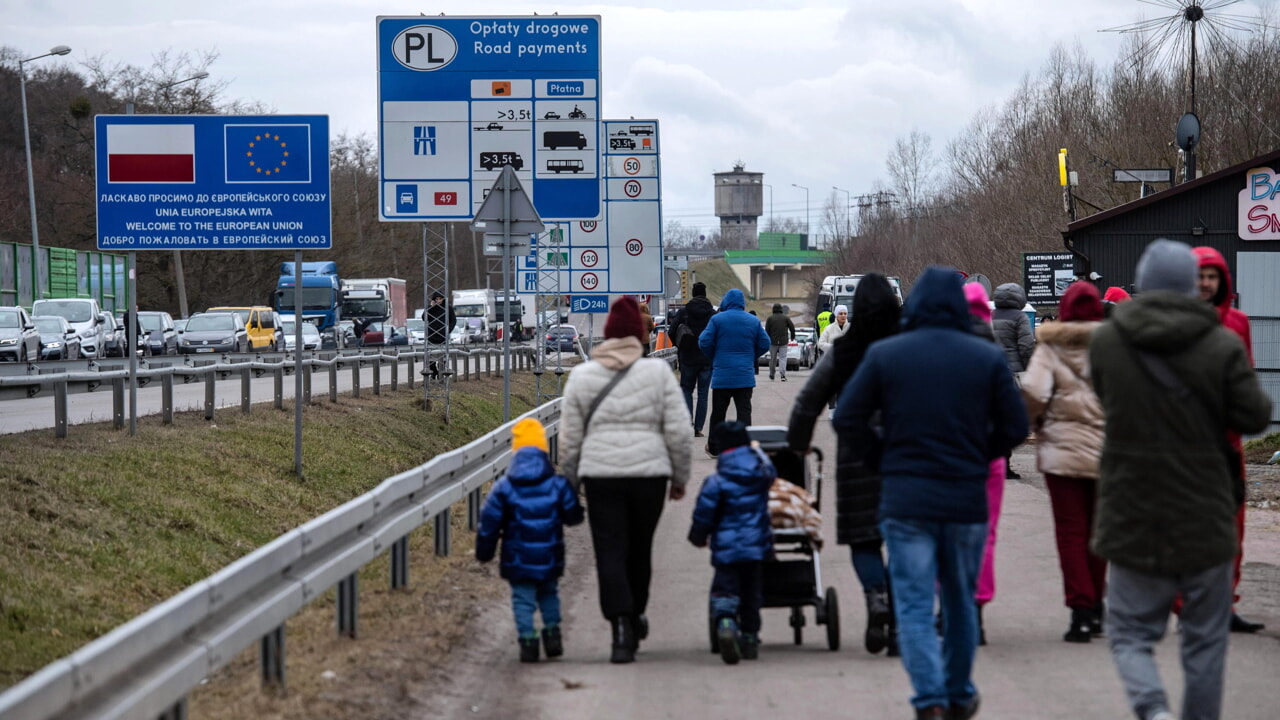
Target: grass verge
x: 100, y: 526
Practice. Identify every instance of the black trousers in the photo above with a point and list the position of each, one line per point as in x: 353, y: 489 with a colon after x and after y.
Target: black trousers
x: 720, y: 398
x: 623, y: 514
x: 737, y: 591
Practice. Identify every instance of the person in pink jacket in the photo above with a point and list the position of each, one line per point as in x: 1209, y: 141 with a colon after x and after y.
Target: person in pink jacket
x: 1068, y: 420
x: 980, y: 313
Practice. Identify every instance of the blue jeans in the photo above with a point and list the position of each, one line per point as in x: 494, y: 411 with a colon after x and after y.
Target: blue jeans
x: 737, y: 591
x: 701, y: 379
x: 926, y: 557
x: 528, y: 596
x: 868, y: 565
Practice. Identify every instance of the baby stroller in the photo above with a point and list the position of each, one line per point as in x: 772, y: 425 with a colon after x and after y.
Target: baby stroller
x: 793, y: 579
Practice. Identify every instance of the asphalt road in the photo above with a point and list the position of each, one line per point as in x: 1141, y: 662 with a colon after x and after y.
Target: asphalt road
x: 1026, y: 671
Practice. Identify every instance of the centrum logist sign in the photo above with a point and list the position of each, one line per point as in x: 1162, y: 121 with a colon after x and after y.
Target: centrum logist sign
x: 1046, y: 276
x: 204, y: 182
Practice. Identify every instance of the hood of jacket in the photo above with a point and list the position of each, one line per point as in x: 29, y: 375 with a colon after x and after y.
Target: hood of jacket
x: 1164, y: 322
x: 529, y: 466
x: 733, y: 300
x: 1072, y: 339
x: 617, y: 353
x: 746, y: 465
x: 937, y: 300
x: 1010, y: 295
x: 873, y: 302
x: 1209, y: 257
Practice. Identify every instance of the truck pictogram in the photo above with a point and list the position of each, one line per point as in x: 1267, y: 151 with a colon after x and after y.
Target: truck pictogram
x: 554, y: 139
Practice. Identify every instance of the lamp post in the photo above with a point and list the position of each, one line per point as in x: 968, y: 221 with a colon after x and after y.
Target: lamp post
x: 806, y: 207
x: 177, y: 254
x: 848, y: 204
x: 31, y: 180
x: 771, y: 227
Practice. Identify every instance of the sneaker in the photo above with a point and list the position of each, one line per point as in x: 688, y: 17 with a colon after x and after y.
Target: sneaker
x: 784, y: 378
x: 966, y: 711
x: 1080, y: 630
x: 770, y: 378
x: 1161, y: 715
x: 697, y: 433
x: 727, y: 634
x: 1095, y: 620
x: 529, y: 649
x: 552, y: 645
x: 707, y: 450
x: 1240, y: 625
x: 750, y: 646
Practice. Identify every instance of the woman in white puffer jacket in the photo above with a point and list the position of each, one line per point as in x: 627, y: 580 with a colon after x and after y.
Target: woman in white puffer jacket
x: 636, y: 444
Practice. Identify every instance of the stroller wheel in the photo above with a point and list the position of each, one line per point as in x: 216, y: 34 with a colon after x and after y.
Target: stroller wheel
x: 797, y: 624
x: 833, y: 619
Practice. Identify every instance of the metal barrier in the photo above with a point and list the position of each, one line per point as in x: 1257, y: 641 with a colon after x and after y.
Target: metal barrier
x: 88, y: 376
x: 146, y: 667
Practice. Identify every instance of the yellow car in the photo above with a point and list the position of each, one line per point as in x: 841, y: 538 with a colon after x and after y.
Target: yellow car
x: 263, y: 326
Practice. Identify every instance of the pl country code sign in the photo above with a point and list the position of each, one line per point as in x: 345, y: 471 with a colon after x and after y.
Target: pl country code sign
x: 201, y: 182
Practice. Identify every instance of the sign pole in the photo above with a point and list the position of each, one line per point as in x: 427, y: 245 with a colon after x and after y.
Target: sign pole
x: 297, y: 363
x: 506, y: 301
x: 132, y: 331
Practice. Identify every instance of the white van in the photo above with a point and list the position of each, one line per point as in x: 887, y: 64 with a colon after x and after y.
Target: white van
x: 84, y: 315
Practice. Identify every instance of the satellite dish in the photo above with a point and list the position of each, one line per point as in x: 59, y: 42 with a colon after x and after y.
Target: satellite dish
x: 1187, y: 136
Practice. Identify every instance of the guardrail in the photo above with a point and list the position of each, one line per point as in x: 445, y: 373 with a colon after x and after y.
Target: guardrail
x: 87, y: 376
x: 146, y: 667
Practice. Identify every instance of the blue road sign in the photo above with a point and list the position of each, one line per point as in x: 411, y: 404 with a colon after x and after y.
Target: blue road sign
x: 589, y: 303
x: 460, y: 97
x: 205, y: 182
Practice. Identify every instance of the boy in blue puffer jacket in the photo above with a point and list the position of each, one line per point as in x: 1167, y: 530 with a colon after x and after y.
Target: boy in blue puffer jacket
x: 733, y: 511
x: 528, y: 509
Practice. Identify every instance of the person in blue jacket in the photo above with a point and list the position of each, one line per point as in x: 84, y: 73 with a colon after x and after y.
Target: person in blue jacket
x: 948, y: 406
x: 733, y: 512
x: 732, y: 340
x: 527, y: 509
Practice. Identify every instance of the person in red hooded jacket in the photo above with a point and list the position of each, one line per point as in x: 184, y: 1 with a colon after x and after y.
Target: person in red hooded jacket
x: 1215, y: 288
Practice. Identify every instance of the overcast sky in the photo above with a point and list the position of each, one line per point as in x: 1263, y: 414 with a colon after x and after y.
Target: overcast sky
x: 808, y: 92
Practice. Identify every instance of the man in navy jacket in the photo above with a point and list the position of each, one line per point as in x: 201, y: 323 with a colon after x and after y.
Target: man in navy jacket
x: 947, y: 405
x: 732, y: 340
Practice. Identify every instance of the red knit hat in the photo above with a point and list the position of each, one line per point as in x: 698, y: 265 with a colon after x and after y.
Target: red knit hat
x: 1116, y: 295
x: 624, y: 320
x: 1081, y: 303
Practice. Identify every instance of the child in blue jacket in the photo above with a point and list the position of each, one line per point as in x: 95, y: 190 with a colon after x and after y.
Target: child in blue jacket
x: 528, y: 509
x: 733, y: 512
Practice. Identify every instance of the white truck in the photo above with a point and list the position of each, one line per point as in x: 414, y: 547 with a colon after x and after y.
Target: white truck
x: 375, y: 300
x: 487, y: 307
x: 838, y: 290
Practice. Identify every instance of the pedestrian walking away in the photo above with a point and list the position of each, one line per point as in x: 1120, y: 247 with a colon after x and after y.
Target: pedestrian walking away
x: 781, y: 332
x: 875, y: 316
x: 695, y: 367
x: 1013, y: 330
x: 947, y: 406
x: 732, y: 340
x: 732, y: 513
x: 1068, y: 422
x: 1215, y: 288
x: 1171, y: 381
x: 526, y: 511
x: 980, y: 324
x: 625, y: 438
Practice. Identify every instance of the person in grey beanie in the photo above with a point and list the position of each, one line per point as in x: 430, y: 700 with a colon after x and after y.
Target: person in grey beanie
x: 1171, y: 380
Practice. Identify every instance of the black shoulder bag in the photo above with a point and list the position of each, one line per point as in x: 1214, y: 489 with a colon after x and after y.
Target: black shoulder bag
x: 1158, y: 368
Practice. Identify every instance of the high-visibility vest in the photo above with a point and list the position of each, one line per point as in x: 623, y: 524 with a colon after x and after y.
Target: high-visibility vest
x: 825, y: 318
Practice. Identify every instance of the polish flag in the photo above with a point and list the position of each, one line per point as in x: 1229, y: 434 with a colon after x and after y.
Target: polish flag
x: 151, y: 153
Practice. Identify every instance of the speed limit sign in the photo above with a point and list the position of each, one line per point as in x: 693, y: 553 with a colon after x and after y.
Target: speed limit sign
x: 631, y: 166
x: 634, y: 247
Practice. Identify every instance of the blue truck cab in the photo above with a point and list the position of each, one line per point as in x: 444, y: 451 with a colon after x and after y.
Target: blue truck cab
x: 321, y: 289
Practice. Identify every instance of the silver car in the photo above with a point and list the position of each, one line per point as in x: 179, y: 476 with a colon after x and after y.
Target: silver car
x: 58, y: 340
x: 19, y: 339
x: 214, y: 332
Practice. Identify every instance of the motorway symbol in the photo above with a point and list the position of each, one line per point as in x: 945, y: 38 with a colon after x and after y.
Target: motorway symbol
x: 632, y: 188
x: 590, y: 258
x: 634, y: 247
x: 588, y: 225
x: 631, y: 166
x: 590, y: 281
x: 424, y: 140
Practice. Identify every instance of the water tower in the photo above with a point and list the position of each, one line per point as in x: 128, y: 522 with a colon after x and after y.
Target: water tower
x: 739, y: 204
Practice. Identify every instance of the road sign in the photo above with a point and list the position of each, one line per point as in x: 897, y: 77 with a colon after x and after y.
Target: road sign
x: 1156, y: 175
x: 206, y: 182
x: 589, y: 304
x: 461, y: 97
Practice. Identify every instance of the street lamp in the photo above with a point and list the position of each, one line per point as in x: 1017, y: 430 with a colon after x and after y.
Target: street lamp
x: 848, y: 203
x: 806, y: 207
x: 177, y: 254
x: 31, y: 181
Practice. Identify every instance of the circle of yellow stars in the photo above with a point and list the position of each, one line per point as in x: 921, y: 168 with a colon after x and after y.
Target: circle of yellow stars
x: 269, y: 138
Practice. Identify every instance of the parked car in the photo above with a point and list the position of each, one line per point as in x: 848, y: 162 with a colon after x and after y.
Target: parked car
x: 58, y: 340
x: 461, y: 333
x: 417, y: 331
x: 310, y: 335
x: 261, y: 322
x: 19, y: 339
x: 214, y: 332
x: 156, y: 333
x: 799, y: 354
x: 83, y: 314
x: 563, y: 338
x: 347, y: 330
x: 809, y: 338
x: 180, y: 325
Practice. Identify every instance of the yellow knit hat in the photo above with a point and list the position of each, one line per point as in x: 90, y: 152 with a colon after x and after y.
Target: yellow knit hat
x: 528, y: 433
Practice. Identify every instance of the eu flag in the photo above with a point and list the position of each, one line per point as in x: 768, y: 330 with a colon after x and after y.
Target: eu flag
x: 268, y: 153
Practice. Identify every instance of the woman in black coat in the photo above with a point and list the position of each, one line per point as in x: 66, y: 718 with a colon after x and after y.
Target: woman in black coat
x: 875, y: 315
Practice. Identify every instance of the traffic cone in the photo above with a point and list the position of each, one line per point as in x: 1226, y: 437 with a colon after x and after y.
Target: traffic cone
x: 663, y: 341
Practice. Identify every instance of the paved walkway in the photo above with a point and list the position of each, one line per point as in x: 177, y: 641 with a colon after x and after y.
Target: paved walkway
x: 1027, y: 671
